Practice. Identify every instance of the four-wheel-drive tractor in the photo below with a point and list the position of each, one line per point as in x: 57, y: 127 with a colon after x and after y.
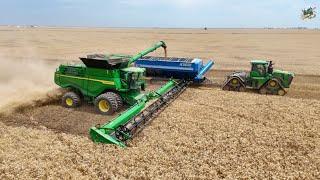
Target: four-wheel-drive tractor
x: 262, y: 77
x: 107, y: 80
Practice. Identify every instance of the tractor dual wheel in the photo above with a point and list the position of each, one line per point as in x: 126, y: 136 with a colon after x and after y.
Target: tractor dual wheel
x: 71, y: 100
x: 108, y: 103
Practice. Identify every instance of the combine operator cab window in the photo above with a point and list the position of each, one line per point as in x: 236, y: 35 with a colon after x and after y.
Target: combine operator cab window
x: 260, y: 69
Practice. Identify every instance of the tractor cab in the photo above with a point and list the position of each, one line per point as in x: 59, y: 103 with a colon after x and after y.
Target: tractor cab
x: 261, y: 68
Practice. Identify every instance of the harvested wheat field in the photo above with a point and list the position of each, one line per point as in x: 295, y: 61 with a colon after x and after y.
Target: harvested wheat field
x: 206, y: 133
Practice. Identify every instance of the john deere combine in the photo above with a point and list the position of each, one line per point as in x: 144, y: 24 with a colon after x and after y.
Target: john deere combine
x: 262, y: 77
x: 106, y: 80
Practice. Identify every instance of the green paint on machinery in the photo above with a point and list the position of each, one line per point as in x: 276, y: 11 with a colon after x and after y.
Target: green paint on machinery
x: 262, y: 77
x: 106, y: 80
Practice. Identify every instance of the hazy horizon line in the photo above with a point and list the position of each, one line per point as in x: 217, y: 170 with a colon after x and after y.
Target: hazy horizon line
x: 149, y: 27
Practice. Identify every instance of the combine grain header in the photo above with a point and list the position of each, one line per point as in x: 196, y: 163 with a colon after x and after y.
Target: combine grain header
x: 184, y: 70
x: 132, y: 121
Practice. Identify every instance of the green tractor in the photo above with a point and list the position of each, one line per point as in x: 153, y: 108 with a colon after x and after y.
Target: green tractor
x: 262, y: 77
x: 106, y: 80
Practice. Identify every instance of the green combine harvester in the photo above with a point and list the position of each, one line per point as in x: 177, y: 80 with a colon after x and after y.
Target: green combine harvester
x: 262, y: 77
x: 106, y: 80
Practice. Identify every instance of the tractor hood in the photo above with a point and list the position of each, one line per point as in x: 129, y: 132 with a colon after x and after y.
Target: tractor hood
x: 284, y: 76
x: 280, y: 72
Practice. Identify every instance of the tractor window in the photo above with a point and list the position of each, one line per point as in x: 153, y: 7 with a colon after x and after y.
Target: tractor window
x: 259, y: 68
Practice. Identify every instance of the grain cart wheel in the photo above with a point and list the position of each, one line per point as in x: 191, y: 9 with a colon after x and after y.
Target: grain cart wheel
x: 71, y: 100
x: 118, y: 99
x: 106, y: 104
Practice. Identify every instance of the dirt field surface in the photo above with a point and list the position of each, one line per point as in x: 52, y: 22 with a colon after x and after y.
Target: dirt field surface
x: 206, y: 133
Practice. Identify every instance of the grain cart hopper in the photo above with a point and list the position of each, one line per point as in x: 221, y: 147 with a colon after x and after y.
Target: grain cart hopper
x: 106, y: 80
x: 262, y: 77
x: 175, y: 67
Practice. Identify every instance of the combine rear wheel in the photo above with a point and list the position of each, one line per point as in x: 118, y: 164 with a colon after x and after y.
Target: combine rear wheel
x: 71, y: 100
x: 106, y: 104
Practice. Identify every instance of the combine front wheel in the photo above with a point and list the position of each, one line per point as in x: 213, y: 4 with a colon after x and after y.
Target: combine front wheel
x: 106, y: 104
x: 71, y: 100
x: 118, y: 99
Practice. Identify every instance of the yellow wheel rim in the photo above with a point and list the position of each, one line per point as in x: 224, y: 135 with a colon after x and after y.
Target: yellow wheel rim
x: 281, y: 92
x: 69, y: 101
x: 234, y: 81
x: 104, y: 106
x: 273, y: 83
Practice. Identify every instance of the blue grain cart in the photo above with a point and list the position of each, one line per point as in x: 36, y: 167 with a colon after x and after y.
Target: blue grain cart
x: 173, y: 67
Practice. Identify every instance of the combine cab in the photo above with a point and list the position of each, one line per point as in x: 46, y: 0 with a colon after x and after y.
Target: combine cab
x: 262, y: 77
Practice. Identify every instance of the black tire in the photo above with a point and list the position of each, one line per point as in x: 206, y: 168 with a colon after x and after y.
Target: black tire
x: 242, y: 89
x: 226, y: 87
x: 281, y: 92
x: 118, y: 99
x: 106, y: 104
x: 263, y: 90
x: 71, y: 100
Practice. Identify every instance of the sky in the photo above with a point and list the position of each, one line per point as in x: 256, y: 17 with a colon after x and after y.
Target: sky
x: 158, y: 13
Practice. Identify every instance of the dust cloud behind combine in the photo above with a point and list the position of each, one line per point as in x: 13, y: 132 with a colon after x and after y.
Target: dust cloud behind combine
x: 25, y: 82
